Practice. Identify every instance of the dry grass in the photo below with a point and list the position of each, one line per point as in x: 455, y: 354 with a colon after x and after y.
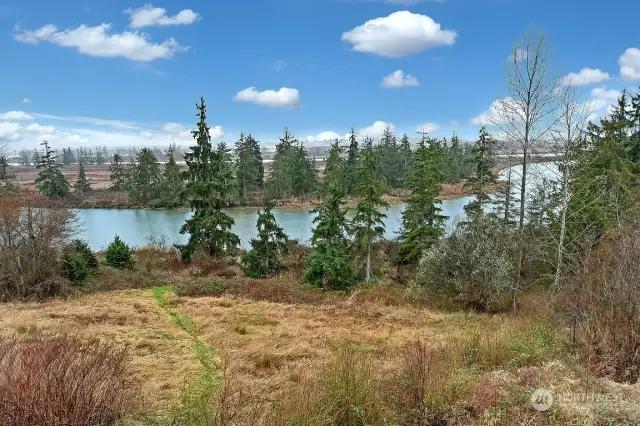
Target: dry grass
x: 459, y: 367
x: 162, y: 355
x: 63, y: 380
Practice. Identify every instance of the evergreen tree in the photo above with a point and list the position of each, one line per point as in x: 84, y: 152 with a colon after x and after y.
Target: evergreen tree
x: 172, y: 183
x: 505, y: 203
x: 264, y: 258
x: 225, y: 169
x: 335, y: 168
x: 209, y: 228
x: 367, y: 225
x: 82, y: 186
x: 352, y: 163
x: 406, y: 156
x: 100, y: 157
x: 145, y: 182
x: 67, y: 156
x: 483, y: 153
x: 389, y: 158
x: 292, y: 172
x: 280, y: 183
x: 24, y: 158
x: 329, y: 264
x: 118, y: 175
x: 422, y: 221
x: 250, y: 168
x: 50, y: 181
x: 6, y: 177
x: 35, y: 158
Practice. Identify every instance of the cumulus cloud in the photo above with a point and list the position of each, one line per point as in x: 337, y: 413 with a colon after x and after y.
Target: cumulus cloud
x: 399, y: 79
x: 499, y: 112
x: 37, y: 128
x: 324, y: 136
x: 376, y: 129
x: 25, y: 101
x: 100, y: 41
x: 601, y: 102
x: 427, y: 127
x: 283, y: 98
x: 585, y: 77
x: 630, y: 64
x: 400, y: 34
x: 15, y: 115
x: 9, y: 131
x: 149, y: 16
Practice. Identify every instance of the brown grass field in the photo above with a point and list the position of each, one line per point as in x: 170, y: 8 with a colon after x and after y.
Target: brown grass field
x: 267, y: 352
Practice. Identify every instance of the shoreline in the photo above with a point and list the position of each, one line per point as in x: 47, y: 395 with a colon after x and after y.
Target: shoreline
x: 108, y: 200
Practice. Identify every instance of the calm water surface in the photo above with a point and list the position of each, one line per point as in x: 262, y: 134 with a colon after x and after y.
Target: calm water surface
x: 137, y: 226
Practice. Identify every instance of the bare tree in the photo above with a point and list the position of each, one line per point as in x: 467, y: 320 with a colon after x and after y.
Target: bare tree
x: 527, y: 114
x: 567, y: 136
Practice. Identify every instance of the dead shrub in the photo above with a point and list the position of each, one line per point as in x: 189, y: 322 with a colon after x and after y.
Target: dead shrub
x: 30, y: 238
x: 62, y: 380
x: 201, y: 287
x: 602, y: 304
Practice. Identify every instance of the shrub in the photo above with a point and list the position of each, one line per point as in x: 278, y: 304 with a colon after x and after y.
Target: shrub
x: 198, y: 287
x: 118, y: 254
x: 77, y: 261
x: 473, y: 267
x: 602, y: 303
x: 31, y: 238
x: 61, y: 380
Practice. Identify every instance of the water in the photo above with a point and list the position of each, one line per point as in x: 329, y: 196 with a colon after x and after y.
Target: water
x: 136, y: 226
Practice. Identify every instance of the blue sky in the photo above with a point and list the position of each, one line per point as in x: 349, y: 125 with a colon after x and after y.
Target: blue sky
x: 121, y: 72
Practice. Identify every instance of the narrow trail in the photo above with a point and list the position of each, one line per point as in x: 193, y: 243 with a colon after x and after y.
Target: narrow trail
x: 198, y: 402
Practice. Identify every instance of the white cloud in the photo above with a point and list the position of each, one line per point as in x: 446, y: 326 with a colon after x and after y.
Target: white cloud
x: 324, y: 136
x: 25, y: 101
x: 427, y: 127
x: 585, y: 77
x: 37, y: 128
x: 148, y: 16
x: 214, y: 132
x: 454, y: 124
x: 498, y: 112
x: 15, y: 115
x: 601, y: 102
x: 99, y: 41
x: 630, y: 64
x: 399, y: 79
x: 172, y: 128
x: 283, y: 98
x: 10, y: 131
x: 399, y: 34
x: 279, y: 65
x: 376, y: 129
x: 90, y: 120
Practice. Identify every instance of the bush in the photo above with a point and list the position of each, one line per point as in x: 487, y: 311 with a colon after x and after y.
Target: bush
x: 602, y: 303
x: 199, y: 287
x: 118, y: 254
x: 62, y: 380
x: 31, y: 237
x: 473, y: 267
x: 77, y: 261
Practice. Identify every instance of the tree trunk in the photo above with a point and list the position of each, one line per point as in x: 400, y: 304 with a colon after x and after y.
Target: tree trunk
x: 520, y: 251
x: 563, y: 230
x: 368, y: 277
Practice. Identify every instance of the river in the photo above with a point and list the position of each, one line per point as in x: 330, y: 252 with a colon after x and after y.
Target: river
x: 137, y: 226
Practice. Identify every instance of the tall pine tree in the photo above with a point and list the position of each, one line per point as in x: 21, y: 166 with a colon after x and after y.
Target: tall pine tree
x: 250, y: 168
x: 172, y: 183
x: 422, y: 221
x: 209, y: 228
x: 82, y: 186
x: 483, y: 154
x: 329, y: 265
x: 118, y: 176
x: 145, y: 182
x: 50, y: 181
x: 367, y: 225
x: 352, y: 162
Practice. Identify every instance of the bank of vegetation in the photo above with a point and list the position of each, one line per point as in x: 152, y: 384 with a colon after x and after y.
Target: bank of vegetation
x: 538, y: 287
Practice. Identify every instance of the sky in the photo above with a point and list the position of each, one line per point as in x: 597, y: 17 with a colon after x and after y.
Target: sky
x: 122, y: 72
